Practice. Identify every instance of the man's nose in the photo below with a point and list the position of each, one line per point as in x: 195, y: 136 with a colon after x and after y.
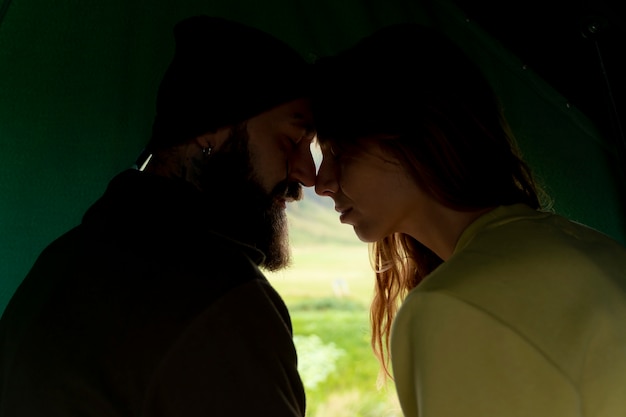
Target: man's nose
x: 302, y: 166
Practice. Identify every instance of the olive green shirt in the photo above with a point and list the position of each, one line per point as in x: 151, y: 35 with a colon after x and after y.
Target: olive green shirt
x: 527, y: 318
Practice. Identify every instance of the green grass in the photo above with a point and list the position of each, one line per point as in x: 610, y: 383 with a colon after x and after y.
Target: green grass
x: 331, y: 329
x: 323, y: 271
x: 350, y: 389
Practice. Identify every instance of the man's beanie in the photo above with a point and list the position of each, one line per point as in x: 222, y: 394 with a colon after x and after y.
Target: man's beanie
x: 223, y: 73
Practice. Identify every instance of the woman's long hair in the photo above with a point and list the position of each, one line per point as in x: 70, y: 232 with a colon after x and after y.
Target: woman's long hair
x: 459, y: 176
x: 433, y: 110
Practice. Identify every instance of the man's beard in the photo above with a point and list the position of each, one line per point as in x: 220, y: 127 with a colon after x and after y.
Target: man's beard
x: 243, y: 210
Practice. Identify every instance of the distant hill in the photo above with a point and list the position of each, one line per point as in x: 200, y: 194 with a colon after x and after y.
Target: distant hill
x: 313, y: 220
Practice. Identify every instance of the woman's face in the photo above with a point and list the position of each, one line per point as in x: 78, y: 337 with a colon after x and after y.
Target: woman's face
x: 371, y: 189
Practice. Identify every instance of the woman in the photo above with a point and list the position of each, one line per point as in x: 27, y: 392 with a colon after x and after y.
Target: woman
x: 486, y: 303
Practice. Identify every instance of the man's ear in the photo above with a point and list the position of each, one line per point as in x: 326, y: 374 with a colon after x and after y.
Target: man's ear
x: 214, y: 139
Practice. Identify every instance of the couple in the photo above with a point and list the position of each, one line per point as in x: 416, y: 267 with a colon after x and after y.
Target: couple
x: 486, y: 304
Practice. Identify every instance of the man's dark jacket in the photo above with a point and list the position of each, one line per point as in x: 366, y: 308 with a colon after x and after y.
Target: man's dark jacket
x: 142, y: 310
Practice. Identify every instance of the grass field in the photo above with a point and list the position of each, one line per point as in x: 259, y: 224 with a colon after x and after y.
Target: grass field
x: 328, y: 289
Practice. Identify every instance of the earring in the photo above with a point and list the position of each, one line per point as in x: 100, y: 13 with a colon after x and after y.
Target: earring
x: 206, y: 151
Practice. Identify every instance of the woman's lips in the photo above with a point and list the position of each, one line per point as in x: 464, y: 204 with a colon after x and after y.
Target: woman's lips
x: 343, y: 212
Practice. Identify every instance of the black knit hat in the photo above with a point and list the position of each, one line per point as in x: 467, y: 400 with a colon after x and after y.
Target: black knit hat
x: 222, y: 73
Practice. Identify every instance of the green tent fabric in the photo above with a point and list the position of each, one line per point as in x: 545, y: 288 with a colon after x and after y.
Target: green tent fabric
x: 78, y: 80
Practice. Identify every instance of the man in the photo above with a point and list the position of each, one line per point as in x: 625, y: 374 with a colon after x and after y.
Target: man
x: 155, y: 304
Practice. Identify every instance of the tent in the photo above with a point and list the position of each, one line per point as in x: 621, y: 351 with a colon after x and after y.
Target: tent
x: 78, y: 80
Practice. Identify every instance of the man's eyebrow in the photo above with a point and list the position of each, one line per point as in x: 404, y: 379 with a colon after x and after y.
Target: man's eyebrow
x: 301, y: 121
